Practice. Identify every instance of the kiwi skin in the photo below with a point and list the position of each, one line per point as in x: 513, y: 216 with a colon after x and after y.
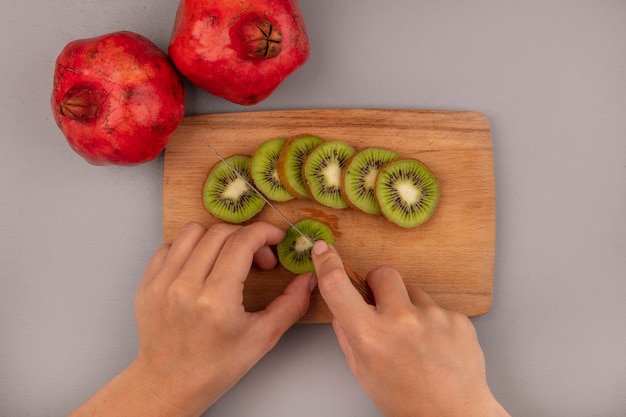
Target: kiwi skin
x: 353, y: 175
x: 293, y: 182
x: 428, y: 199
x: 227, y: 209
x: 294, y: 251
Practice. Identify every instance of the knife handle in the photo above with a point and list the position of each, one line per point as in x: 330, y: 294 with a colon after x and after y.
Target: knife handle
x: 361, y: 285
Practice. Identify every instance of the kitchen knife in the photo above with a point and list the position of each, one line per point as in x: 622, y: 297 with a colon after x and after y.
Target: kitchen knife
x: 359, y: 283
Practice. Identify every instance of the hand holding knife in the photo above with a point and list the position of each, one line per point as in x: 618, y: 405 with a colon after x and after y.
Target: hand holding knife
x: 359, y: 283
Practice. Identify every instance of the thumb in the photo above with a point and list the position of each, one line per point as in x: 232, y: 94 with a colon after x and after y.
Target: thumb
x: 342, y: 299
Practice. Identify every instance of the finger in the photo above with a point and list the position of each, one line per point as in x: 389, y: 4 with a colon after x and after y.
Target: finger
x: 286, y: 309
x: 181, y: 248
x: 342, y: 299
x: 265, y: 258
x: 154, y: 265
x: 146, y: 285
x: 420, y: 298
x: 235, y: 259
x: 206, y: 251
x: 388, y: 288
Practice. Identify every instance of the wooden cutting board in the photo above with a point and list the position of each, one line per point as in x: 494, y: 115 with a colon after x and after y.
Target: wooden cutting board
x: 451, y: 256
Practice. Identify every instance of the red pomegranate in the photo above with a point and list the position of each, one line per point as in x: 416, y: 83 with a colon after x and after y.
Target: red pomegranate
x: 117, y: 98
x: 239, y: 50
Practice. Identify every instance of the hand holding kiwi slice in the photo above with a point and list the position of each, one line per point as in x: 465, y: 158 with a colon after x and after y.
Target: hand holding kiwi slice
x: 294, y: 251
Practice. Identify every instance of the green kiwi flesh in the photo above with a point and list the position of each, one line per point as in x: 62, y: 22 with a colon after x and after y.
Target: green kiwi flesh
x: 294, y: 251
x: 322, y: 172
x: 226, y: 196
x: 289, y: 165
x: 263, y: 170
x: 407, y: 192
x: 359, y: 178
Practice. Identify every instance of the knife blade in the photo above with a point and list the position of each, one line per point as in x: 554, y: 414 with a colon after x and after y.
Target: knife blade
x: 359, y: 283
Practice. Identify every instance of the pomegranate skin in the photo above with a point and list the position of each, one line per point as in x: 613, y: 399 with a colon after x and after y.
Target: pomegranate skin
x: 117, y: 98
x: 239, y: 50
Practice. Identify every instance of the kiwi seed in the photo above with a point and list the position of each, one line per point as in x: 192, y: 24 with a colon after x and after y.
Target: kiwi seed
x: 289, y: 164
x: 294, y: 251
x: 359, y: 178
x: 407, y: 192
x: 226, y: 196
x: 322, y: 172
x: 263, y: 170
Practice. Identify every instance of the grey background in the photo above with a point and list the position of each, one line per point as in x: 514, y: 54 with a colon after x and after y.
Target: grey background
x: 550, y: 76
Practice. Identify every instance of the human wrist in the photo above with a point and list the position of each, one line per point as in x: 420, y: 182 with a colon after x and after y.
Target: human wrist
x: 484, y: 405
x: 140, y: 391
x: 488, y: 407
x: 497, y: 410
x: 167, y: 392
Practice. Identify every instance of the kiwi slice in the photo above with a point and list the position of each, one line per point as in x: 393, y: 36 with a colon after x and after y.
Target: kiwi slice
x: 263, y: 170
x: 226, y: 196
x: 359, y: 178
x: 407, y: 192
x: 289, y: 165
x: 294, y: 251
x: 322, y: 172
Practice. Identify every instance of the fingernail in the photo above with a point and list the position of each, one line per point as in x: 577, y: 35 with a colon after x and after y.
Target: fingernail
x: 320, y: 247
x: 313, y: 281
